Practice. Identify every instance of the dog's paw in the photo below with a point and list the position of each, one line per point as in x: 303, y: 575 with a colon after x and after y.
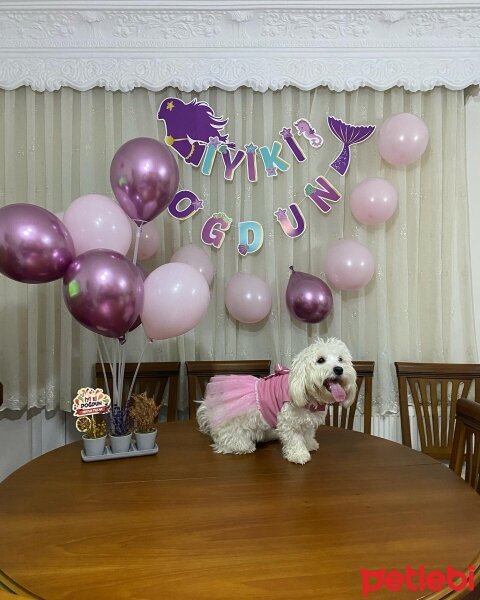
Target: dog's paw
x: 298, y: 457
x: 312, y: 445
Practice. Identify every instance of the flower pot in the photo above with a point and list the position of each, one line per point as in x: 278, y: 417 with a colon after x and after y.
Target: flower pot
x: 146, y: 441
x: 120, y: 443
x: 94, y: 446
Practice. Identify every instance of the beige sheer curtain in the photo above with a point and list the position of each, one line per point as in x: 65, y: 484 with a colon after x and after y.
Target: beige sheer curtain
x: 57, y: 146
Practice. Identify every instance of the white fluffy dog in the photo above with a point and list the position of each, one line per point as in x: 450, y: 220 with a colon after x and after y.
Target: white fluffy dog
x: 240, y: 410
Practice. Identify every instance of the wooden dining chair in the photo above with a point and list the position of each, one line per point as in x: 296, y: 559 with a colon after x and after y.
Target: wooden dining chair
x: 435, y: 389
x: 466, y: 442
x: 199, y: 373
x: 344, y: 418
x: 152, y: 378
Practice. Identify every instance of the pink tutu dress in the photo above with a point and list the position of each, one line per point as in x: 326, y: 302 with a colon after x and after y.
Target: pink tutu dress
x: 229, y: 396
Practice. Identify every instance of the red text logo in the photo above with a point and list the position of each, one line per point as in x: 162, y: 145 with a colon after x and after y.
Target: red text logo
x: 417, y: 580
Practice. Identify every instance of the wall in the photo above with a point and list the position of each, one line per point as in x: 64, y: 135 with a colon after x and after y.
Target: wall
x: 25, y: 436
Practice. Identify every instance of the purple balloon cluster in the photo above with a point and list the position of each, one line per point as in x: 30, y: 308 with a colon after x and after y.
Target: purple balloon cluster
x: 102, y: 289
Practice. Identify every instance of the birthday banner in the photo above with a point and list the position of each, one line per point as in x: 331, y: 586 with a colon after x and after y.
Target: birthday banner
x: 196, y: 134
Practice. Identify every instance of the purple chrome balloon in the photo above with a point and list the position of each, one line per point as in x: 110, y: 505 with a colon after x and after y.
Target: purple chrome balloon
x: 103, y: 290
x: 308, y: 297
x: 144, y: 178
x: 35, y: 246
x: 138, y: 321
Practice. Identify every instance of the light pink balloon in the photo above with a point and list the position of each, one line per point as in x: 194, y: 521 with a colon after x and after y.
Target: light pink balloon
x: 98, y: 222
x: 349, y: 265
x: 402, y: 139
x: 248, y: 298
x: 196, y: 257
x: 373, y: 201
x: 149, y: 240
x: 176, y: 298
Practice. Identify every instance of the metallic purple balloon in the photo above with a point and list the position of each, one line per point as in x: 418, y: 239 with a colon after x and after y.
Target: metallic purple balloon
x: 308, y: 297
x: 138, y: 321
x: 144, y: 178
x: 35, y: 246
x: 104, y: 292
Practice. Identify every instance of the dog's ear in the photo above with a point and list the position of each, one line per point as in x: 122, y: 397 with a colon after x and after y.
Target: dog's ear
x: 297, y: 383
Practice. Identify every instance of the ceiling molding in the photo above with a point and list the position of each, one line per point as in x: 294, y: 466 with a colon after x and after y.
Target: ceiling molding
x: 264, y: 45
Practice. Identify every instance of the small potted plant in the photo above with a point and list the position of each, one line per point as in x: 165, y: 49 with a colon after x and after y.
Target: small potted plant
x: 120, y: 428
x: 143, y: 412
x: 94, y: 431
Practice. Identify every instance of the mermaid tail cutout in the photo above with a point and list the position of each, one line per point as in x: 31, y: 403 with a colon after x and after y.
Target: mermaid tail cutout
x: 349, y: 135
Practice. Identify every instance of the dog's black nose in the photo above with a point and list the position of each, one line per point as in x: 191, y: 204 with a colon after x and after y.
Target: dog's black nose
x: 337, y: 370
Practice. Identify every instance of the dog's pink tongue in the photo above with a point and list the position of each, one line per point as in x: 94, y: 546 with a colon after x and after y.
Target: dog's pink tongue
x: 337, y: 392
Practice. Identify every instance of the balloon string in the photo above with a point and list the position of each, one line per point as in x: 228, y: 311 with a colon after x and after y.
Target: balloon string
x: 103, y: 365
x: 136, y: 371
x: 137, y: 243
x: 114, y: 376
x: 121, y: 375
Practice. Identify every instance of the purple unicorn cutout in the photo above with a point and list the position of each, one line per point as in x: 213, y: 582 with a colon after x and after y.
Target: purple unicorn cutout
x: 348, y: 134
x: 188, y: 127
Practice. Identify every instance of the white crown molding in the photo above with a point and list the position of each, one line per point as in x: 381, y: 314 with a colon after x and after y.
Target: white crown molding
x: 262, y: 44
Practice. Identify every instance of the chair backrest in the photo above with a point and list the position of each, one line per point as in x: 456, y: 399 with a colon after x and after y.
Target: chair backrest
x: 152, y: 378
x: 435, y: 389
x: 466, y: 442
x: 340, y: 417
x: 199, y: 373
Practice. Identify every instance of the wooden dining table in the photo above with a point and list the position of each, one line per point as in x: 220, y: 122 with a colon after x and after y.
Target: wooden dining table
x: 189, y: 524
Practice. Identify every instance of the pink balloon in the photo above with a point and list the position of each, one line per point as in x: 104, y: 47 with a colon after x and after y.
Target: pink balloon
x: 144, y: 178
x: 349, y: 265
x: 35, y: 246
x: 176, y: 300
x: 402, y: 139
x: 196, y: 257
x: 248, y: 298
x: 97, y: 222
x: 373, y: 201
x: 148, y: 243
x: 103, y: 290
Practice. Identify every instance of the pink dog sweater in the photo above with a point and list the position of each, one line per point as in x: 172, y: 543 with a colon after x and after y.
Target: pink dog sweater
x: 229, y: 396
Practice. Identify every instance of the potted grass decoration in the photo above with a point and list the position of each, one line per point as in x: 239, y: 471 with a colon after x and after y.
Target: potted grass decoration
x: 94, y: 431
x: 120, y: 428
x: 144, y: 412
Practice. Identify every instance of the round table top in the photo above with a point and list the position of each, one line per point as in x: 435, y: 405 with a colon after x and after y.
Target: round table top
x: 190, y: 524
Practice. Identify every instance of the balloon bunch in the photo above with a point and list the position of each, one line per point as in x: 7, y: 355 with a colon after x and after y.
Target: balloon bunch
x: 349, y: 265
x: 105, y: 291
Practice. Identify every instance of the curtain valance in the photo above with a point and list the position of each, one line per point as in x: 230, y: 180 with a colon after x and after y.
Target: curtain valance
x: 259, y: 44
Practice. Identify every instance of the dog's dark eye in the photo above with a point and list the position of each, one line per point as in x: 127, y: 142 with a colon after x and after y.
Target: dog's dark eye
x: 321, y: 360
x: 340, y: 359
